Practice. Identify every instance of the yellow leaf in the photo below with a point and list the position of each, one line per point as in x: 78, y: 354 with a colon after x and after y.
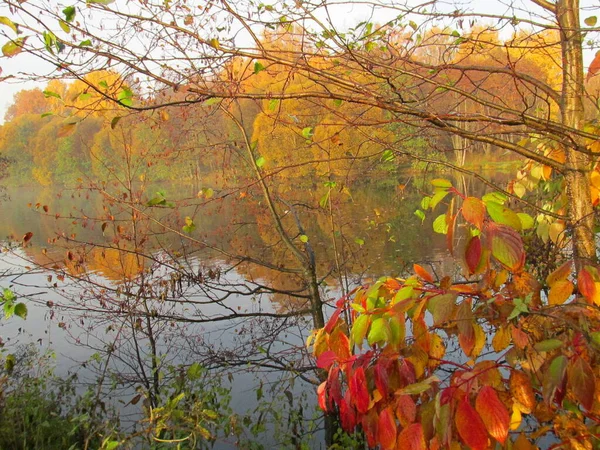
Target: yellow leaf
x: 501, y: 339
x: 595, y: 179
x: 479, y: 340
x: 515, y: 418
x: 560, y: 292
x: 556, y: 232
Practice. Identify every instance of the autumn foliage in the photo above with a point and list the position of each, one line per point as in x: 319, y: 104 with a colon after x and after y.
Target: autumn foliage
x: 496, y: 358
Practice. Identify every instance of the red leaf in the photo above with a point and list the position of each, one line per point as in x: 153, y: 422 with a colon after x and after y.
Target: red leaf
x: 585, y: 283
x: 321, y: 394
x: 582, y: 382
x: 334, y: 385
x: 493, y: 413
x: 470, y: 426
x: 347, y: 414
x: 326, y: 359
x: 412, y: 438
x: 45, y: 208
x: 386, y: 429
x: 473, y: 254
x: 473, y: 210
x: 359, y: 391
x: 27, y: 237
x: 332, y: 321
x: 369, y: 424
x: 421, y: 272
x: 381, y: 376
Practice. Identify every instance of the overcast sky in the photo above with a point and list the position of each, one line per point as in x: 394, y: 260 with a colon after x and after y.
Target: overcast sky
x: 349, y: 14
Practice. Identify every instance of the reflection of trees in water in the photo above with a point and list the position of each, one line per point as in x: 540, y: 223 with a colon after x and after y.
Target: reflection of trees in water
x: 149, y: 298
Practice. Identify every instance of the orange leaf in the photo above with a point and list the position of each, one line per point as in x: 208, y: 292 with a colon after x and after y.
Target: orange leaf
x: 473, y: 210
x: 520, y: 338
x: 470, y: 426
x: 412, y: 438
x: 321, y: 395
x: 424, y: 274
x: 464, y: 322
x: 493, y: 413
x: 406, y: 410
x: 521, y: 390
x: 560, y: 274
x: 594, y: 67
x: 386, y: 429
x: 27, y: 237
x: 560, y: 292
x: 340, y: 344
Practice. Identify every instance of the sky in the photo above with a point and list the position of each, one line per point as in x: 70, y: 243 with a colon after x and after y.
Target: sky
x: 346, y: 13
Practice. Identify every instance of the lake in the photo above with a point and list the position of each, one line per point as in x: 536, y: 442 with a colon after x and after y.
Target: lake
x: 128, y: 284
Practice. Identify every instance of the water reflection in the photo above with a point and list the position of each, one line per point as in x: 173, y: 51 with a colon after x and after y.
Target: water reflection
x: 118, y: 278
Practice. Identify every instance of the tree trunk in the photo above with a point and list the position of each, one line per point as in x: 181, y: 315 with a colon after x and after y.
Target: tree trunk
x: 580, y: 209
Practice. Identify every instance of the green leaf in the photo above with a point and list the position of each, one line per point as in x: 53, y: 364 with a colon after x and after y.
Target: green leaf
x: 9, y: 363
x: 497, y: 197
x: 194, y: 371
x: 359, y: 329
x: 258, y: 67
x: 189, y: 225
x: 420, y: 214
x: 8, y: 295
x: 520, y: 308
x: 441, y: 183
x: 46, y: 114
x: 14, y: 47
x: 125, y: 97
x: 548, y: 345
x: 501, y: 214
x: 303, y: 238
x: 439, y: 224
x: 9, y: 309
x: 273, y: 103
x: 338, y: 102
x: 260, y: 161
x: 211, y: 101
x: 69, y: 13
x: 554, y: 377
x: 387, y: 155
x: 307, y: 132
x: 21, y: 310
x: 85, y: 96
x: 114, y: 122
x: 379, y: 332
x: 9, y: 23
x: 442, y: 308
x: 103, y: 84
x: 437, y: 197
x: 425, y: 202
x: 99, y: 2
x: 413, y: 25
x: 526, y: 221
x: 359, y: 241
x: 51, y: 94
x: 64, y: 26
x: 591, y: 21
x: 86, y: 43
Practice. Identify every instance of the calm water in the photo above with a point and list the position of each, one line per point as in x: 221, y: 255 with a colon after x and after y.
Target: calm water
x: 106, y: 275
